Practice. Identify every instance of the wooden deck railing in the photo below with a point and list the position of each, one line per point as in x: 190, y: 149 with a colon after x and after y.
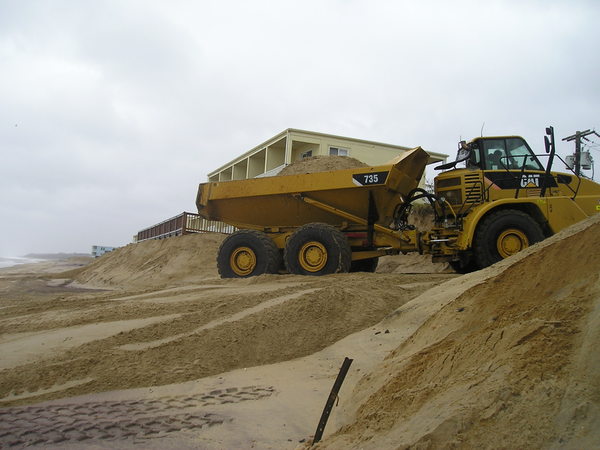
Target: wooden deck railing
x: 184, y: 223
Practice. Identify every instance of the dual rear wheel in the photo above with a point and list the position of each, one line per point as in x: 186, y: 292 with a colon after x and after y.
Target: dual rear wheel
x: 313, y: 249
x: 247, y: 253
x: 317, y: 249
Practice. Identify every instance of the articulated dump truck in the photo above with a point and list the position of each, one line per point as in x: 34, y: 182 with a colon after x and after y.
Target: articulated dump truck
x: 500, y: 202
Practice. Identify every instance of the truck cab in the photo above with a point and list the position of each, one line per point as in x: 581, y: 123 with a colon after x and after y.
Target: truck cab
x: 491, y: 164
x: 502, y: 153
x: 502, y: 199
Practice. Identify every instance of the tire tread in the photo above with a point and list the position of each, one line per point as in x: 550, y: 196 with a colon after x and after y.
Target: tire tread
x: 267, y: 250
x: 345, y: 253
x: 484, y: 248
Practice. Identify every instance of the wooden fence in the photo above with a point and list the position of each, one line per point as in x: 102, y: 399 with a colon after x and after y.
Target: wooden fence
x: 184, y: 223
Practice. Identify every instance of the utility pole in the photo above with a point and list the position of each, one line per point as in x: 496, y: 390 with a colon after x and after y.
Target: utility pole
x: 577, y: 138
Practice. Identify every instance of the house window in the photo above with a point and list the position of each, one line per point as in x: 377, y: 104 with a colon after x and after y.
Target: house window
x: 305, y: 155
x: 337, y: 151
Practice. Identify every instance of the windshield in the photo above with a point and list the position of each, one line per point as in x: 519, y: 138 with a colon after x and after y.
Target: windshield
x: 509, y: 153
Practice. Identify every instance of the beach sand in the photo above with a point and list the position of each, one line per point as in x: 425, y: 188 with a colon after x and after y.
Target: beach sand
x: 146, y: 347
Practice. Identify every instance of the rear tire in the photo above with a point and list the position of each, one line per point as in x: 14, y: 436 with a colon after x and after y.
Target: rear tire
x: 364, y: 265
x: 247, y: 253
x: 504, y: 233
x: 317, y: 249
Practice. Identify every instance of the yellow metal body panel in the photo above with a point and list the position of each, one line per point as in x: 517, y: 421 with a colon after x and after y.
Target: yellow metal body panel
x: 276, y: 202
x: 569, y: 201
x: 464, y: 239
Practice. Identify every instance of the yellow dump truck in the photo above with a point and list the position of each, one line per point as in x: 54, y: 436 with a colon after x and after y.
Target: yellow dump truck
x: 502, y: 201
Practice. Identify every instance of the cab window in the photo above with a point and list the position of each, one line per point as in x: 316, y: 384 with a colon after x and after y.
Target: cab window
x: 494, y: 153
x: 521, y: 154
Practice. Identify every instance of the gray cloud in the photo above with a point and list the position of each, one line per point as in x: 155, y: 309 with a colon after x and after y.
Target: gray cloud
x: 112, y: 112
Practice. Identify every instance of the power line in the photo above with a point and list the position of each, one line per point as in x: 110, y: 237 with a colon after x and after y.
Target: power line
x: 591, y: 143
x: 577, y: 137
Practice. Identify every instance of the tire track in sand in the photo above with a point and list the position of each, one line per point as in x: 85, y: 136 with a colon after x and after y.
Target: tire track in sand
x: 215, y: 323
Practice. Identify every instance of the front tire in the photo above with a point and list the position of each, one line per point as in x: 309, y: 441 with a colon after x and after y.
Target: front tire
x: 317, y: 249
x: 504, y: 233
x: 247, y: 253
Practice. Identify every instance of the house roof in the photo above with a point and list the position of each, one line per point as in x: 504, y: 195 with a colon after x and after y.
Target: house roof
x: 436, y: 157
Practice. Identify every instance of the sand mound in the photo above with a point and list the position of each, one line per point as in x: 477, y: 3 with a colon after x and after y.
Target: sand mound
x: 509, y: 363
x: 321, y: 163
x: 421, y: 216
x: 155, y: 263
x: 411, y: 263
x: 118, y: 340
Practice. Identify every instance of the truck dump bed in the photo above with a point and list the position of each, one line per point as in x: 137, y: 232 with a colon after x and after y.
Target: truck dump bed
x: 292, y: 201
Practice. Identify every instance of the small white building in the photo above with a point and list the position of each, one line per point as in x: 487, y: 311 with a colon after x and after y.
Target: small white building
x: 99, y: 250
x: 291, y: 145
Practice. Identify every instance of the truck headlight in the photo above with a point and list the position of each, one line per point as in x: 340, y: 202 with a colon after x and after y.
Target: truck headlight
x: 454, y: 197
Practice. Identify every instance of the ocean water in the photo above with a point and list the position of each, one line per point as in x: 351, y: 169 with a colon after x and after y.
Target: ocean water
x: 9, y: 261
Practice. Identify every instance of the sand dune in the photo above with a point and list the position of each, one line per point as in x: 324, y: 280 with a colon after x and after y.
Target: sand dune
x: 503, y: 357
x: 507, y: 363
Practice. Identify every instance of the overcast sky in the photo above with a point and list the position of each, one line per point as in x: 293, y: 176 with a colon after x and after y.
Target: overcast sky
x: 112, y: 112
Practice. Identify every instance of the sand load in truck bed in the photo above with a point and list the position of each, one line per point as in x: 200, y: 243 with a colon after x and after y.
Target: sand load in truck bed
x: 290, y: 201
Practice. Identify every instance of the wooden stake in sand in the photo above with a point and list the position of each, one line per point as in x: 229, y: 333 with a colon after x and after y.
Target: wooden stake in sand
x: 332, y: 396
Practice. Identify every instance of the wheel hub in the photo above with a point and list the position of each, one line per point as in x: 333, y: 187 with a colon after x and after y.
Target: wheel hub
x: 511, y: 241
x: 313, y: 256
x: 243, y: 261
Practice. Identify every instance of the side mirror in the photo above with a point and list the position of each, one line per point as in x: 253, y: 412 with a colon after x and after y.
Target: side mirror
x: 547, y: 142
x: 463, y: 154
